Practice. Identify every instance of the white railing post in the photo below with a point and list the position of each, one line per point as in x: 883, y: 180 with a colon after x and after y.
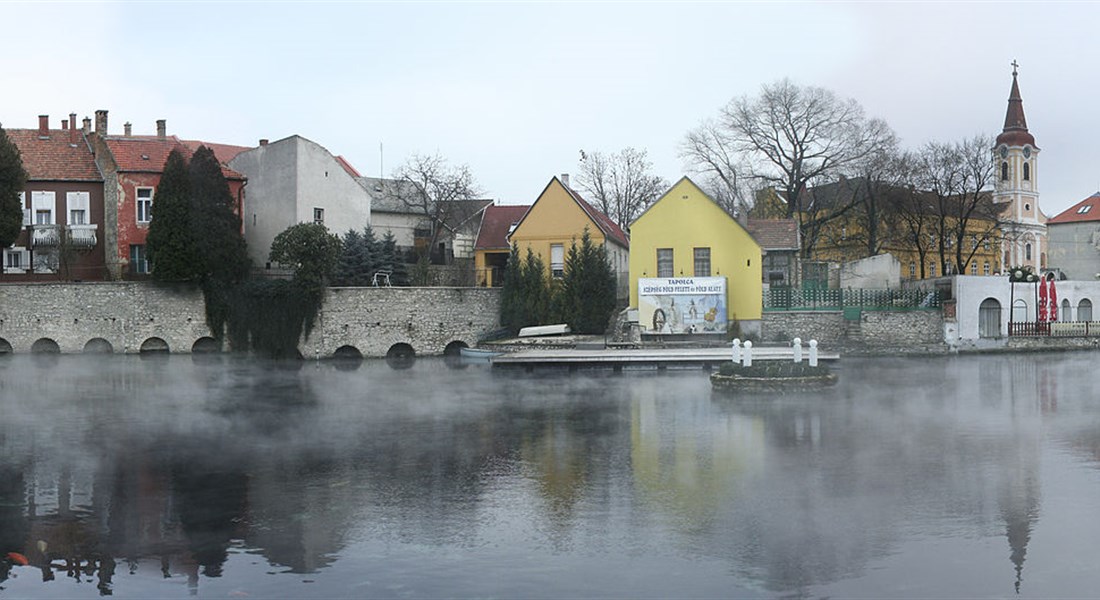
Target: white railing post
x: 736, y: 356
x: 748, y: 353
x: 797, y: 349
x: 813, y: 353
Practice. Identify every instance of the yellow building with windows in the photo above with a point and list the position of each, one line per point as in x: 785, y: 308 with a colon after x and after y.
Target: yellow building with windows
x: 686, y: 235
x: 557, y: 219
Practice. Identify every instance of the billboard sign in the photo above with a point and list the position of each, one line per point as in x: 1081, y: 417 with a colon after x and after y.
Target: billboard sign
x: 682, y: 304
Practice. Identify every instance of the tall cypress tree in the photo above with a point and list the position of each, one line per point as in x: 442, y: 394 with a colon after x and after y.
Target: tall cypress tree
x: 536, y: 290
x: 588, y: 287
x: 511, y: 293
x: 172, y: 246
x: 12, y: 179
x: 217, y: 227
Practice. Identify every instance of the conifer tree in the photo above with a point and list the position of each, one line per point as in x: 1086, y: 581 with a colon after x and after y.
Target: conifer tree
x: 588, y: 287
x: 217, y: 227
x: 511, y: 293
x: 390, y: 258
x: 12, y: 179
x: 536, y: 290
x: 349, y: 269
x: 173, y: 249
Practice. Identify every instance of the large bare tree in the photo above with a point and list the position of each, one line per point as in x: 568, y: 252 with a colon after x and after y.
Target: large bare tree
x: 790, y: 138
x: 430, y: 186
x: 958, y: 177
x: 621, y: 184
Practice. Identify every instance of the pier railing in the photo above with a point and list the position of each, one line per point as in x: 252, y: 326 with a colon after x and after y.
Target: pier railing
x: 1055, y: 329
x: 791, y: 299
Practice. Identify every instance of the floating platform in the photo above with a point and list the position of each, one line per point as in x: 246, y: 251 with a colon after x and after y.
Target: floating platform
x: 643, y: 358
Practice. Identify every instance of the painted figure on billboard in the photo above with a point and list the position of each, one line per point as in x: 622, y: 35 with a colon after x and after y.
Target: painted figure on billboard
x: 682, y: 305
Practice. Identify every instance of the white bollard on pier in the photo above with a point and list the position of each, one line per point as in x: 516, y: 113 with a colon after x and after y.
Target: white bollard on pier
x: 748, y: 354
x: 736, y: 357
x: 797, y: 348
x: 813, y: 353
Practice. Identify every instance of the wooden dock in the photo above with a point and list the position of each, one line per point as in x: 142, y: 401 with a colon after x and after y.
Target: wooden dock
x: 644, y: 358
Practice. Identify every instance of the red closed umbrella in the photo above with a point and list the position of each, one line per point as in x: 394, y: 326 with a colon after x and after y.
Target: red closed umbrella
x: 1052, y: 299
x: 1042, y: 300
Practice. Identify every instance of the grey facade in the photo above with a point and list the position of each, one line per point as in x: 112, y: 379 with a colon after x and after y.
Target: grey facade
x: 1075, y: 249
x: 295, y: 180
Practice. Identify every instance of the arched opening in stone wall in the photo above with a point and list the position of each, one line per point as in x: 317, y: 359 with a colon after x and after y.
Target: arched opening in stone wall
x: 400, y: 356
x: 206, y: 345
x: 154, y: 345
x: 98, y: 346
x: 455, y: 348
x: 346, y: 352
x: 5, y: 346
x: 45, y: 346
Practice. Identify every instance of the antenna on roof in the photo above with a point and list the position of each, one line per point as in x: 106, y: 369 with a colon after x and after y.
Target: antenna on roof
x: 381, y: 171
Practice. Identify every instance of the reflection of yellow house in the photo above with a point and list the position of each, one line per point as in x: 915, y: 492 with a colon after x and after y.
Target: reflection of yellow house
x: 694, y: 237
x: 557, y: 218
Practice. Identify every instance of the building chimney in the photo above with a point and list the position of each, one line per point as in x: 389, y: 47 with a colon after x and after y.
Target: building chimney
x: 72, y: 128
x: 43, y: 127
x: 64, y: 124
x: 127, y: 129
x: 263, y: 142
x: 101, y: 122
x: 565, y: 179
x: 87, y: 125
x: 162, y: 128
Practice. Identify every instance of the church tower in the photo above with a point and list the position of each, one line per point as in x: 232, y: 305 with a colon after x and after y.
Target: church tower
x: 1016, y: 158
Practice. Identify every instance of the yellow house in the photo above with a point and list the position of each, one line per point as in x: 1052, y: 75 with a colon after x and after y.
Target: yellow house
x: 693, y: 267
x: 558, y: 218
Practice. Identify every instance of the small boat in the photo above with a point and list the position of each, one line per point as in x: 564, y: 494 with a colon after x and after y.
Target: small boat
x: 478, y: 353
x: 561, y: 329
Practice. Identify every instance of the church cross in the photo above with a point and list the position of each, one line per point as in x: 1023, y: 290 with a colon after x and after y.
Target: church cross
x: 1014, y: 66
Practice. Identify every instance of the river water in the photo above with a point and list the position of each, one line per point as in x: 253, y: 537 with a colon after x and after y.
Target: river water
x: 172, y: 477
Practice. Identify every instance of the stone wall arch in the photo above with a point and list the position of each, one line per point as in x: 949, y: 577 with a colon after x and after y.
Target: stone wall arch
x: 206, y: 345
x: 154, y: 345
x: 98, y: 346
x: 5, y: 346
x: 45, y: 346
x: 455, y: 348
x: 347, y: 352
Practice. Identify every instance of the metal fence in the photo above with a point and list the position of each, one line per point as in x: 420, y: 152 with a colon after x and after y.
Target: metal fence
x: 1055, y: 329
x: 789, y: 299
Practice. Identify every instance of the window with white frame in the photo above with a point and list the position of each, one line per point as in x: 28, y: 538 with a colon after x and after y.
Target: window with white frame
x: 702, y: 262
x: 78, y: 205
x: 931, y: 269
x: 985, y: 269
x: 912, y: 270
x: 144, y: 204
x: 139, y: 260
x: 318, y: 216
x: 974, y: 268
x: 42, y: 207
x: 664, y: 262
x: 16, y: 259
x: 557, y: 261
x: 26, y: 209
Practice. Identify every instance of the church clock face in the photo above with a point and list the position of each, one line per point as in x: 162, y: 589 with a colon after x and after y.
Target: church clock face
x: 1004, y: 151
x: 1027, y: 151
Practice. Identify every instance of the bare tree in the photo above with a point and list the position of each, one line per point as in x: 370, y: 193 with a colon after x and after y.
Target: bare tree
x: 790, y: 138
x: 958, y: 177
x: 622, y: 184
x: 712, y: 151
x: 430, y: 186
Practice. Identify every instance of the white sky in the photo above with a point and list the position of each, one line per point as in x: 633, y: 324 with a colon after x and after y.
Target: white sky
x: 516, y: 89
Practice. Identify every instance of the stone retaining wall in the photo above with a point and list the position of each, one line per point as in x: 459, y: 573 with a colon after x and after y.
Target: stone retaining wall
x: 128, y: 315
x: 827, y: 327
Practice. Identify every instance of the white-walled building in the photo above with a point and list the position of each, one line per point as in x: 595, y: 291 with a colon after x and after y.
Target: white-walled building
x: 296, y: 180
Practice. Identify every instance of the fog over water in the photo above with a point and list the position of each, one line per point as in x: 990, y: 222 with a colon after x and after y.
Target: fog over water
x: 223, y: 477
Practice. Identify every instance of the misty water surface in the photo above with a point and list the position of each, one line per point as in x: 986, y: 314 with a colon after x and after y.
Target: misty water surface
x: 174, y: 477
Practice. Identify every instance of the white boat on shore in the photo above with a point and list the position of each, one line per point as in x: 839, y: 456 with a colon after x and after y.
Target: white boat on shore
x: 561, y: 329
x: 478, y: 353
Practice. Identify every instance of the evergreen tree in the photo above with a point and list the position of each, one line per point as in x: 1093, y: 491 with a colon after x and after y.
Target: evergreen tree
x: 390, y: 258
x: 511, y: 293
x: 172, y: 246
x: 349, y: 269
x: 217, y: 227
x: 535, y: 290
x: 310, y: 249
x: 588, y: 287
x: 12, y: 179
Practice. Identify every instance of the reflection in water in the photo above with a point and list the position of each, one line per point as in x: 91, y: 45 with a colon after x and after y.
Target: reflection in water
x: 231, y: 477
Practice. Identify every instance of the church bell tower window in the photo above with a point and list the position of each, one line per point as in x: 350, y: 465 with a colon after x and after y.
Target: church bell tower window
x: 1027, y: 172
x: 1004, y: 171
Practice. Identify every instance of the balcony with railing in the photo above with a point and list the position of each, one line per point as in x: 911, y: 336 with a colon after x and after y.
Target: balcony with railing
x: 80, y: 237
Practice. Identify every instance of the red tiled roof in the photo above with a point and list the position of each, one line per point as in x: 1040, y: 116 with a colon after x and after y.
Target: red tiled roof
x: 147, y: 154
x: 1078, y: 213
x: 347, y: 166
x: 606, y: 225
x: 496, y: 224
x: 223, y: 152
x: 55, y: 159
x: 774, y: 234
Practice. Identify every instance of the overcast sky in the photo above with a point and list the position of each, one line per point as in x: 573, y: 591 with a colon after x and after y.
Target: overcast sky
x: 516, y: 89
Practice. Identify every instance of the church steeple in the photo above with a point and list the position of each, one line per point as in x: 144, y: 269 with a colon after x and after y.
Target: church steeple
x: 1015, y: 130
